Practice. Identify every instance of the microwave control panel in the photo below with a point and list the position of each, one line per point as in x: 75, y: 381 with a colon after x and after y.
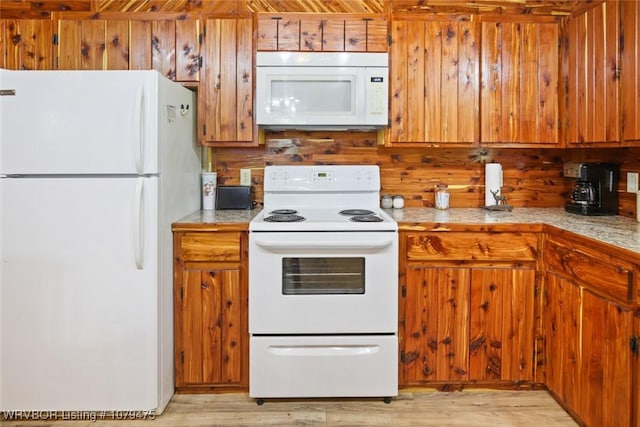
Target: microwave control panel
x: 377, y: 95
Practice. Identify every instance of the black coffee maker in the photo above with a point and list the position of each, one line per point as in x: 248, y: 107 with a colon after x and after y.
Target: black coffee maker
x: 596, y: 189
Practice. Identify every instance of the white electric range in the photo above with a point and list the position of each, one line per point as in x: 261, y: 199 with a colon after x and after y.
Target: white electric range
x: 323, y: 285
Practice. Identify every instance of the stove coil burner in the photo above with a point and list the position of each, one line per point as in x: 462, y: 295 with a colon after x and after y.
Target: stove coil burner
x: 284, y: 218
x: 284, y: 212
x: 365, y: 218
x: 356, y: 212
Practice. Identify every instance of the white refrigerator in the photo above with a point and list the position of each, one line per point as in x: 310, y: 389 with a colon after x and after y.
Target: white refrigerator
x: 94, y: 168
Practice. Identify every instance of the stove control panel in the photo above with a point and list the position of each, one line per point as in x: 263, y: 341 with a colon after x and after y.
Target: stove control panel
x: 319, y: 176
x: 322, y: 178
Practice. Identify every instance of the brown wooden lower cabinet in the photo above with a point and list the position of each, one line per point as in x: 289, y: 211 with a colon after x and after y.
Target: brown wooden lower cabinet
x: 210, y: 307
x: 467, y: 307
x: 501, y: 309
x: 467, y: 324
x: 590, y: 336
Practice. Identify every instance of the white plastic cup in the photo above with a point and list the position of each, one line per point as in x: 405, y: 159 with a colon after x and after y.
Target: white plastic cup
x: 209, y: 190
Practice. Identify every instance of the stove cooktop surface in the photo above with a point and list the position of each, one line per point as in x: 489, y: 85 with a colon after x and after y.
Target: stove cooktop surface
x: 322, y: 198
x: 329, y: 219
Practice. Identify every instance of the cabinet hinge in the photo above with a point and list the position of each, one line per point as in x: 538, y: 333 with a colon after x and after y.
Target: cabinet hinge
x: 389, y: 40
x: 634, y: 344
x: 200, y: 62
x: 181, y: 293
x: 404, y: 291
x: 200, y: 37
x: 402, y: 356
x: 54, y: 39
x: 204, y: 130
x: 182, y: 357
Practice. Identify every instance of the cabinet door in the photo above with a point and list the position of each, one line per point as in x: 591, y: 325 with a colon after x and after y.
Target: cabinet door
x: 594, y: 76
x: 559, y: 368
x: 210, y: 351
x: 377, y: 40
x: 468, y: 324
x: 588, y: 362
x: 606, y: 363
x: 501, y: 324
x: 226, y: 92
x: 321, y: 32
x: 519, y: 89
x: 26, y: 44
x: 630, y: 72
x: 434, y: 82
x: 168, y: 46
x: 435, y: 337
x: 267, y: 36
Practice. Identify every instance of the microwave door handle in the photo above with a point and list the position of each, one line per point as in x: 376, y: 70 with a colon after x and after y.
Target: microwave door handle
x: 292, y: 245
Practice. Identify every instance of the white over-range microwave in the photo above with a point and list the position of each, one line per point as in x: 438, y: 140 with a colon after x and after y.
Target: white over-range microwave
x: 322, y: 90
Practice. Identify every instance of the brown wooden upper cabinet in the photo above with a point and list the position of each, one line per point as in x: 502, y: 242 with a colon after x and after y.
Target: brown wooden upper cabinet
x: 603, y: 83
x: 434, y: 81
x: 26, y: 44
x: 172, y: 47
x: 630, y: 71
x: 225, y: 104
x: 334, y: 33
x: 475, y: 81
x: 519, y: 82
x: 593, y: 82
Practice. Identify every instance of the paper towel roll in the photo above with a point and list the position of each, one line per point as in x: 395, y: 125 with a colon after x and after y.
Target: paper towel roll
x: 492, y: 182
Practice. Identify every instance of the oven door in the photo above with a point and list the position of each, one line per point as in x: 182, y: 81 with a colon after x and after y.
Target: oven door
x: 323, y: 282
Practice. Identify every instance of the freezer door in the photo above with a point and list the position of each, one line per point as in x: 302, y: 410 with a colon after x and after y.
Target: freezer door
x: 78, y: 294
x: 79, y: 122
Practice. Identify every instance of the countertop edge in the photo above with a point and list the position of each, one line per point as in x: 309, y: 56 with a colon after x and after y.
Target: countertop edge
x: 617, y: 232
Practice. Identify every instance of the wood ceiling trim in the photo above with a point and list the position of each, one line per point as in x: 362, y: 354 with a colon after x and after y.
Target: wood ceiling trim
x: 25, y: 9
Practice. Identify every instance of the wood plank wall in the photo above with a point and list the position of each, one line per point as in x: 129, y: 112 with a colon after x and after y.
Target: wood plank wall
x: 532, y: 177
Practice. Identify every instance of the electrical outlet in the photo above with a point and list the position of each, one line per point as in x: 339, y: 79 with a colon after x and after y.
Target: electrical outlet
x: 632, y: 182
x: 245, y: 176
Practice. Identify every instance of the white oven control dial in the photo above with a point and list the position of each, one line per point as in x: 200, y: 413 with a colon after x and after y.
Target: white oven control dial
x: 364, y: 176
x: 275, y: 176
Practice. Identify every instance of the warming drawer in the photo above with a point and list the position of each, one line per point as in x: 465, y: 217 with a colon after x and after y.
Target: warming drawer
x: 323, y: 366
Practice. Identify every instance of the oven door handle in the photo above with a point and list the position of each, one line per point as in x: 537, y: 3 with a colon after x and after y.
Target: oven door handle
x: 323, y: 350
x: 329, y: 245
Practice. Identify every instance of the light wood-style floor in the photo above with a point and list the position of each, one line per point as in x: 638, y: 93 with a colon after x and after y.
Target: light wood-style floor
x: 469, y: 408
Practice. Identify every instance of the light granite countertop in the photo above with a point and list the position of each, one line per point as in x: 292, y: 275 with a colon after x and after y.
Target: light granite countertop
x: 614, y: 230
x: 225, y: 216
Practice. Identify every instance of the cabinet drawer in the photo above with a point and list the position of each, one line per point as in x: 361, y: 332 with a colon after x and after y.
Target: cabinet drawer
x: 218, y: 246
x: 472, y: 246
x: 596, y: 270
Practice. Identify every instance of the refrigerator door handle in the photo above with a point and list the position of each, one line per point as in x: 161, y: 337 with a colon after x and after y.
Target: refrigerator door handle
x: 138, y: 227
x: 138, y: 130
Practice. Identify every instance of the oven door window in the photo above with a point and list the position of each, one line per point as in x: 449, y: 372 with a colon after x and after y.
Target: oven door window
x: 322, y: 276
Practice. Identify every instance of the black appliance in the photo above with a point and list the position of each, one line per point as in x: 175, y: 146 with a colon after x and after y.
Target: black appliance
x: 596, y: 189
